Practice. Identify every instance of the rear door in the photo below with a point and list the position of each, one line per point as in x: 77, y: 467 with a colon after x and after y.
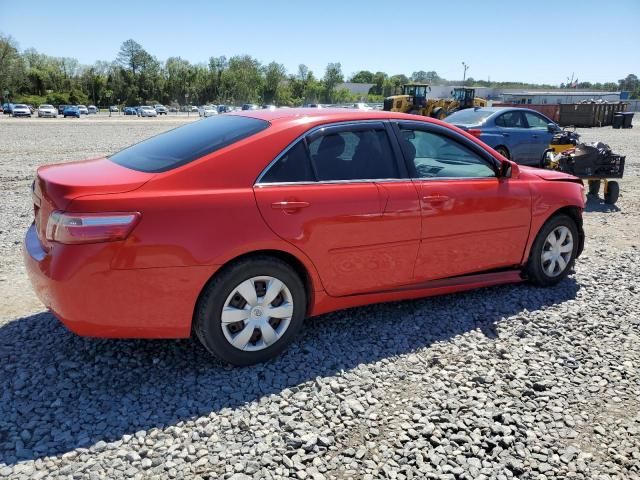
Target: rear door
x: 341, y: 196
x: 513, y: 127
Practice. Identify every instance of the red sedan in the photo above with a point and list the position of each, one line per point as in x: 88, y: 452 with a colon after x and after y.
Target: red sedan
x: 239, y: 226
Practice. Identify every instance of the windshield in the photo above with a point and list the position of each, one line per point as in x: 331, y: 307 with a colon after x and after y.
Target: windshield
x: 20, y: 105
x: 46, y: 106
x: 184, y: 144
x: 469, y: 116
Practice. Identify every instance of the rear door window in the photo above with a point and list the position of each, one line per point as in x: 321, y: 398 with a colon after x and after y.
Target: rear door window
x: 293, y: 166
x: 184, y: 144
x: 357, y: 154
x: 513, y: 119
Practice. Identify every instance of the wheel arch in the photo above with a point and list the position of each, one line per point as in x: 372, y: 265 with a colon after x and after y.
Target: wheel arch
x: 573, y: 211
x: 294, y: 262
x: 506, y: 149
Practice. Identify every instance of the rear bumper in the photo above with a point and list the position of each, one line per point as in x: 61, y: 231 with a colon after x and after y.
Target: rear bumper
x: 77, y: 284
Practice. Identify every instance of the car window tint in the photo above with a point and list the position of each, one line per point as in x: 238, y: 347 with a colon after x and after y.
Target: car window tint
x: 435, y: 155
x: 511, y: 120
x: 536, y: 121
x: 353, y: 155
x: 293, y: 166
x: 185, y: 144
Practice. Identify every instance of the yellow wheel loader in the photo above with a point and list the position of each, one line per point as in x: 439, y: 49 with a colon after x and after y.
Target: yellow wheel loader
x: 414, y: 100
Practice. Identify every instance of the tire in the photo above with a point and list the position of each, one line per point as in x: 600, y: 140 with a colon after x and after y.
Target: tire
x: 612, y: 193
x: 543, y: 273
x: 439, y: 113
x: 594, y: 187
x: 503, y: 151
x: 222, y: 292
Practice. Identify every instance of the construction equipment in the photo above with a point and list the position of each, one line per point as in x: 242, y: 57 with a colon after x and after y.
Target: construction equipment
x: 466, y: 98
x: 414, y: 100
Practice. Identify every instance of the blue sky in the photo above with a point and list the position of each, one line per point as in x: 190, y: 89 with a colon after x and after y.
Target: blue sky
x: 535, y: 41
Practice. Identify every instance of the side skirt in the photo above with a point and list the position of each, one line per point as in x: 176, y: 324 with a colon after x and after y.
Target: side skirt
x: 325, y: 303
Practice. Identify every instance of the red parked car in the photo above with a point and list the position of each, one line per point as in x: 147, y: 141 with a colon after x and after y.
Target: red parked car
x: 238, y: 226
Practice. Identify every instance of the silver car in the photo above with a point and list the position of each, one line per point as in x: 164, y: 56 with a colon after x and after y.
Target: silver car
x: 146, y: 111
x: 20, y: 110
x: 47, y: 111
x: 83, y: 110
x: 207, y: 110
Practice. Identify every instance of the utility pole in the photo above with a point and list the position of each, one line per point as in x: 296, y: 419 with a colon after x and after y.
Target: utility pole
x: 464, y: 74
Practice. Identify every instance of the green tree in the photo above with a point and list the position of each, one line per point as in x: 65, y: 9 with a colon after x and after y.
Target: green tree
x: 332, y: 77
x: 363, y: 76
x: 274, y: 74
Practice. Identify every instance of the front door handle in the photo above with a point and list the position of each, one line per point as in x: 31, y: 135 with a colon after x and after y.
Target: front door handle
x: 289, y: 206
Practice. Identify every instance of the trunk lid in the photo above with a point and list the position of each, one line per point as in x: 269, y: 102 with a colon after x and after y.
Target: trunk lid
x: 55, y: 186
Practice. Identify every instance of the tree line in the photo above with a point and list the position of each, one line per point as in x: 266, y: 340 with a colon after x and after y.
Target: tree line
x: 137, y: 77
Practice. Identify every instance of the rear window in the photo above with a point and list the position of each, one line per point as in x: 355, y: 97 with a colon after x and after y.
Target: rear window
x: 469, y: 116
x: 184, y: 144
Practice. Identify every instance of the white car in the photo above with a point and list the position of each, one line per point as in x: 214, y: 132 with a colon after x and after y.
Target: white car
x: 146, y: 111
x: 207, y: 110
x: 83, y: 110
x: 92, y: 109
x: 47, y: 111
x: 20, y: 110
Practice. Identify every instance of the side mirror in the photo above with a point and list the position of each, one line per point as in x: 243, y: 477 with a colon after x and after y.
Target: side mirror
x: 505, y: 170
x: 552, y: 127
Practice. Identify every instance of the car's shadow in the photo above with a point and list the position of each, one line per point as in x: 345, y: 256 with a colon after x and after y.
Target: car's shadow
x: 59, y: 391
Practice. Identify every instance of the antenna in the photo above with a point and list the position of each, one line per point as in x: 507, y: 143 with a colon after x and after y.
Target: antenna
x: 464, y: 74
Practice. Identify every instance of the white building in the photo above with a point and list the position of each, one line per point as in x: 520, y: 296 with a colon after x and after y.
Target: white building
x: 553, y: 97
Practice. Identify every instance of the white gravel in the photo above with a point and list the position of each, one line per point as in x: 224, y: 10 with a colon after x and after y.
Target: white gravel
x: 501, y: 383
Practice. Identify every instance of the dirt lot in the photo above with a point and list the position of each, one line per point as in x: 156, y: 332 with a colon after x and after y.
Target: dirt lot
x: 506, y: 382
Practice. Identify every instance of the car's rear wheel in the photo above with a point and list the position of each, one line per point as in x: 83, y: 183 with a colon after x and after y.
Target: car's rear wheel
x: 251, y: 311
x: 503, y: 151
x: 554, y: 251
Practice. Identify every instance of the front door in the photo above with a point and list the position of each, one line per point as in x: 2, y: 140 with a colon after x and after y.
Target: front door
x: 540, y: 134
x: 472, y: 221
x: 350, y: 212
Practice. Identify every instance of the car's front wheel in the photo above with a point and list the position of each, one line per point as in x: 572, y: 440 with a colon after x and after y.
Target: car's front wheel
x: 554, y: 251
x: 251, y: 311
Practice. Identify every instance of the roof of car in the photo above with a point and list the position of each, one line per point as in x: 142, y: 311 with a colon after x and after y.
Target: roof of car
x: 327, y: 115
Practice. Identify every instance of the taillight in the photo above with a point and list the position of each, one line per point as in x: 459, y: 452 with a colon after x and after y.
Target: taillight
x: 476, y: 132
x: 72, y: 228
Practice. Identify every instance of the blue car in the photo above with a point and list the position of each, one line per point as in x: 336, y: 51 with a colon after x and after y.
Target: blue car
x: 519, y: 134
x: 130, y: 111
x: 71, y: 111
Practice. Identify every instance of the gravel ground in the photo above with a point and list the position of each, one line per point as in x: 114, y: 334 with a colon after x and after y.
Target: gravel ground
x: 506, y: 382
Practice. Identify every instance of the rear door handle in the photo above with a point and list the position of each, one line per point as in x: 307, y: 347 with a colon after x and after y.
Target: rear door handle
x: 289, y: 205
x: 435, y: 198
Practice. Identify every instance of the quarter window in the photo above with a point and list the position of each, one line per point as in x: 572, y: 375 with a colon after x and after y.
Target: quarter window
x: 435, y: 155
x: 353, y: 155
